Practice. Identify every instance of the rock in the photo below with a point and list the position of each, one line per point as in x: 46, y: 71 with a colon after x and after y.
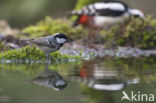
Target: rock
x: 122, y: 52
x: 12, y: 46
x: 14, y: 41
x: 1, y: 36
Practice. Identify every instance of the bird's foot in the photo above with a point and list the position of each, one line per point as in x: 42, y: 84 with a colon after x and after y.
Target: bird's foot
x: 51, y: 59
x: 47, y: 59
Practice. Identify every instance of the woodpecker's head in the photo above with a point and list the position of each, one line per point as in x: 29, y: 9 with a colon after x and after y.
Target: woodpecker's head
x: 136, y: 13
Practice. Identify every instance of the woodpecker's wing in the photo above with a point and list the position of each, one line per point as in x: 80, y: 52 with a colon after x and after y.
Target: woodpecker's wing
x: 87, y: 10
x: 111, y: 9
x: 103, y: 9
x: 43, y: 41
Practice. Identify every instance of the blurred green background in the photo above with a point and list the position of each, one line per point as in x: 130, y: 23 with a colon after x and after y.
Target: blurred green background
x: 21, y: 13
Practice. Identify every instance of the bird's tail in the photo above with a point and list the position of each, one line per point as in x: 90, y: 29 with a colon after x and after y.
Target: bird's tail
x: 74, y: 12
x: 28, y: 41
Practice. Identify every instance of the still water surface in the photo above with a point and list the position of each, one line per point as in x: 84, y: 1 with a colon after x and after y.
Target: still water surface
x: 95, y: 81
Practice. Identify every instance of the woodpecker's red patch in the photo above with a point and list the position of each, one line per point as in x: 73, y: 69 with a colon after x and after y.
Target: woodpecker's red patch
x: 83, y: 19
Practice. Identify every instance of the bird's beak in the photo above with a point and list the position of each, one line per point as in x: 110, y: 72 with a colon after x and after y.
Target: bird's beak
x: 69, y: 40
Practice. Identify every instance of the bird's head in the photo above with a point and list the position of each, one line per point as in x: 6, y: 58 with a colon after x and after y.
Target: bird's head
x: 136, y: 13
x: 61, y: 38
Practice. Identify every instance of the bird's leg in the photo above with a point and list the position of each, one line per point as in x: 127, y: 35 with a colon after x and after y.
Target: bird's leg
x: 46, y: 67
x: 47, y: 58
x: 51, y: 58
x: 90, y: 37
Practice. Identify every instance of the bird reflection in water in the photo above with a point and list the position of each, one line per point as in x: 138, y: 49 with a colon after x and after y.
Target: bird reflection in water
x: 51, y: 79
x: 101, y: 77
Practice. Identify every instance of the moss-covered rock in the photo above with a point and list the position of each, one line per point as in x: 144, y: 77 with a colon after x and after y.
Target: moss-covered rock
x: 135, y: 32
x: 32, y: 53
x: 1, y: 46
x: 49, y: 26
x: 24, y: 53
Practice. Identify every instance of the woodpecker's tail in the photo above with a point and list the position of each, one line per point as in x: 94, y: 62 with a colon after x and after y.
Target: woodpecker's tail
x: 78, y: 13
x: 75, y: 23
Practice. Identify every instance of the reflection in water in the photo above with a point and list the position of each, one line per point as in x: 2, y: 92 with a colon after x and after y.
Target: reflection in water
x: 103, y: 80
x: 49, y: 78
x: 100, y: 77
x: 96, y: 81
x: 115, y: 85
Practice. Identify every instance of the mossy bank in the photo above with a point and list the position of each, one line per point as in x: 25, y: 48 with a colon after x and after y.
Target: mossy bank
x: 33, y: 54
x: 134, y: 32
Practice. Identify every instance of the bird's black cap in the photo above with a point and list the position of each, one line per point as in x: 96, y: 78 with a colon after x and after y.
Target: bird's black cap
x: 62, y: 35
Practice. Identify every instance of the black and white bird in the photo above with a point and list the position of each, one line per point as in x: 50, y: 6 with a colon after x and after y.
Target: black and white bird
x: 51, y: 79
x: 50, y: 44
x: 103, y: 14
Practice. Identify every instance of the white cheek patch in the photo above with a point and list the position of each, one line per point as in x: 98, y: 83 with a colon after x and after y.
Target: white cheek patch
x: 60, y: 40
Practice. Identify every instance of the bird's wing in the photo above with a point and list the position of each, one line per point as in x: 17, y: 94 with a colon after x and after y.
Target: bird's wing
x: 87, y: 10
x: 102, y: 9
x: 110, y: 9
x: 43, y: 41
x: 109, y: 12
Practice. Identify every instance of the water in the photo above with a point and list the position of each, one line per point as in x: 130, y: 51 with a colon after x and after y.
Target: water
x: 100, y: 80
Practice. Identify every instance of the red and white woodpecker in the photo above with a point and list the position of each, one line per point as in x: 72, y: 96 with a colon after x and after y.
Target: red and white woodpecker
x: 103, y: 14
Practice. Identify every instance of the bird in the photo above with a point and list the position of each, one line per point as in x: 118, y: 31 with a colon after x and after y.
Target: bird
x: 51, y: 79
x: 51, y: 43
x: 104, y: 14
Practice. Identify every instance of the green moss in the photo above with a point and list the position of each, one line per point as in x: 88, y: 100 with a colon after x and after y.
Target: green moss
x: 57, y: 56
x: 3, y: 47
x: 62, y: 68
x: 135, y: 32
x: 32, y: 53
x: 49, y: 26
x: 24, y: 53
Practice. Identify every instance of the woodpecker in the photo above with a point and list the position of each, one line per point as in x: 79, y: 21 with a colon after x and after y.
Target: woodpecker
x: 103, y: 14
